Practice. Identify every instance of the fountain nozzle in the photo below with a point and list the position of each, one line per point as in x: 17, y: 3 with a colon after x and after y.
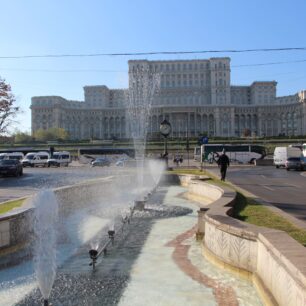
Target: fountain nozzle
x: 111, y: 234
x: 93, y: 254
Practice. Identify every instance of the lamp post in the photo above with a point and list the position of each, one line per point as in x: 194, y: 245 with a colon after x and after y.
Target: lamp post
x: 165, y: 130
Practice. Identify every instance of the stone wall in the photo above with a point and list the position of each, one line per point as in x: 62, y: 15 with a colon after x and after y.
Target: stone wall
x: 16, y: 226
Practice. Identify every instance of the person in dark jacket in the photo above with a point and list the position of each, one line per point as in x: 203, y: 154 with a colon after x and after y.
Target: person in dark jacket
x: 223, y: 163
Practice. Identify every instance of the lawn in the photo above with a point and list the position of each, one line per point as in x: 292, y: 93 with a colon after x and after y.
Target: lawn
x: 7, y: 206
x: 250, y: 211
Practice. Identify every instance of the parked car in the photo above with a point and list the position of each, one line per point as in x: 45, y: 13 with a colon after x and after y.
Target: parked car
x: 281, y: 154
x: 12, y: 155
x: 34, y: 159
x: 121, y: 161
x: 11, y: 167
x: 101, y: 162
x: 59, y: 159
x: 295, y: 163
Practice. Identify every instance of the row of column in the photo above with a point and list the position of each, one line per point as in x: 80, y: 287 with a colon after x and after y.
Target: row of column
x: 218, y: 122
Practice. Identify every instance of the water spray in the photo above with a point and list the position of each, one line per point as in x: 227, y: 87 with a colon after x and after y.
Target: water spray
x: 95, y: 253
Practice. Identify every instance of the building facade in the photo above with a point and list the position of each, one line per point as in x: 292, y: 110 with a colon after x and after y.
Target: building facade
x: 196, y: 96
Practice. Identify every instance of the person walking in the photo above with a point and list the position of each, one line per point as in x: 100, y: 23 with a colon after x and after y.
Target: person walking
x: 223, y: 163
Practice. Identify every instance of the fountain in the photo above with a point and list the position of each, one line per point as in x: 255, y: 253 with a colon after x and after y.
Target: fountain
x: 144, y: 84
x: 45, y: 219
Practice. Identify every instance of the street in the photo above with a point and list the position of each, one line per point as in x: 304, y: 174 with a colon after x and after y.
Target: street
x: 35, y: 179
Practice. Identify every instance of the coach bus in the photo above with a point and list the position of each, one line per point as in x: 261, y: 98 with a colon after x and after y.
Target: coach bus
x: 239, y: 153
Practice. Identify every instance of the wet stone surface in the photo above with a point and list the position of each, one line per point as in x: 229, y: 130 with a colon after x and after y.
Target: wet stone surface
x: 78, y: 284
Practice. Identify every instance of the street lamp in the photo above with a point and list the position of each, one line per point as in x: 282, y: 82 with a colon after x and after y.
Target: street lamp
x: 165, y: 130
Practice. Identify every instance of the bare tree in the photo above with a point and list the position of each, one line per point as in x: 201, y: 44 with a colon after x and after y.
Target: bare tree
x: 8, y: 110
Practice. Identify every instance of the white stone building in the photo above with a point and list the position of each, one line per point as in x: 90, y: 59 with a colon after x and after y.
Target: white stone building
x: 196, y: 96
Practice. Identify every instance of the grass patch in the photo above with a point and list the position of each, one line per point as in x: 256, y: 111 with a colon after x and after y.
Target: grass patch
x: 7, y: 206
x: 187, y: 171
x: 248, y: 210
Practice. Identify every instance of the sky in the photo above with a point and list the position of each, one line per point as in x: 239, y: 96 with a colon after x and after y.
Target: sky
x: 41, y: 27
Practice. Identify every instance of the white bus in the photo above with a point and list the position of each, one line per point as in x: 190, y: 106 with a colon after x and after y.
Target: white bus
x: 304, y: 151
x: 240, y: 153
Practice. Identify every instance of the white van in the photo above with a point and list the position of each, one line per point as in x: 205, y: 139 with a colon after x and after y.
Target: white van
x: 281, y: 154
x: 13, y: 155
x: 33, y: 159
x: 59, y: 159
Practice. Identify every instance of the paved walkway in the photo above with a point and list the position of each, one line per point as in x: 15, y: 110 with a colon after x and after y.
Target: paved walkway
x: 172, y: 271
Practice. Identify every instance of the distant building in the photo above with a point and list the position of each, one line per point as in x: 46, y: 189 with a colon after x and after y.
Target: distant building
x: 196, y: 96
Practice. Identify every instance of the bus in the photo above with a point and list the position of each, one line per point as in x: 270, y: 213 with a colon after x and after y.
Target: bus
x: 239, y: 153
x: 304, y: 151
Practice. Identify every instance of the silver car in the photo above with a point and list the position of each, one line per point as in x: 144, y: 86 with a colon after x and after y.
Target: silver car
x: 295, y: 163
x: 100, y: 162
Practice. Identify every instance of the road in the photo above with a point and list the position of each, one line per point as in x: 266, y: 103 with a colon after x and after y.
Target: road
x: 284, y: 189
x: 35, y: 179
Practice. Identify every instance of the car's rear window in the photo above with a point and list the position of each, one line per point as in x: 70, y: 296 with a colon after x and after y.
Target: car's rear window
x: 294, y: 159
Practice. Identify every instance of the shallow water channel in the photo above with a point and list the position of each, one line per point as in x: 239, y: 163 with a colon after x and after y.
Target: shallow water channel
x: 139, y: 269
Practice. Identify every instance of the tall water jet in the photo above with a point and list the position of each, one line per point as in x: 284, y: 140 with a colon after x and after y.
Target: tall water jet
x: 45, y: 219
x: 156, y: 168
x: 144, y: 84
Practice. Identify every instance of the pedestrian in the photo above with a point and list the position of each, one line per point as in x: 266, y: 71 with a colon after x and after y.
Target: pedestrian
x: 181, y: 159
x: 176, y: 160
x: 223, y: 163
x: 210, y: 157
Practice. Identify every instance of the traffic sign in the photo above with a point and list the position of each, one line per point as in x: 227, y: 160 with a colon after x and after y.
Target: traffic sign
x: 205, y: 140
